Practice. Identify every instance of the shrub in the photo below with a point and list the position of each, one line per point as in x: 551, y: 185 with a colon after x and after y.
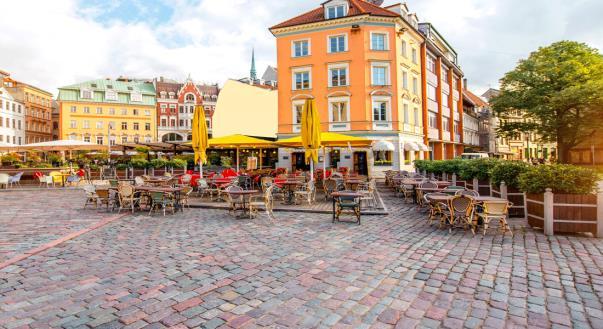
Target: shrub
x: 421, y: 165
x: 478, y: 168
x: 11, y: 158
x: 139, y: 163
x: 565, y: 179
x: 122, y: 166
x: 159, y: 163
x: 508, y: 172
x: 452, y: 166
x: 178, y: 163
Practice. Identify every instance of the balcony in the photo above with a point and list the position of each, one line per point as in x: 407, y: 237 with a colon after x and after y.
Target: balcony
x: 432, y: 79
x: 432, y: 105
x: 457, y: 138
x: 457, y: 116
x: 418, y: 130
x: 446, y: 135
x: 433, y: 133
x: 445, y: 87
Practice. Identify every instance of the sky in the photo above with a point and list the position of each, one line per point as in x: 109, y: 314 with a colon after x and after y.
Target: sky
x: 60, y: 42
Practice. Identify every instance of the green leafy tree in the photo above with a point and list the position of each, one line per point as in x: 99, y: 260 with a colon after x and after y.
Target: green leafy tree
x: 559, y: 90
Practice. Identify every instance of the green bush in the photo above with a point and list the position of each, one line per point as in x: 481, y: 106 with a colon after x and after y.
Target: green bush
x: 565, y: 179
x: 178, y: 163
x: 139, y: 163
x: 421, y: 165
x: 122, y: 166
x: 452, y: 166
x: 159, y: 163
x: 477, y: 168
x: 508, y: 172
x: 11, y: 158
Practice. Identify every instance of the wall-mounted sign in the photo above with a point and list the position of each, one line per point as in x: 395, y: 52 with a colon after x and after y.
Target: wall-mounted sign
x: 347, y: 157
x: 285, y: 158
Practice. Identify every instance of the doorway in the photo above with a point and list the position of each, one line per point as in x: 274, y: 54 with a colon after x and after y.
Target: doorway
x: 298, y: 162
x: 360, y: 163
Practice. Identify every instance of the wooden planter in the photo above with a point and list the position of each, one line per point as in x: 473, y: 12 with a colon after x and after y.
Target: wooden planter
x: 570, y: 213
x: 515, y: 196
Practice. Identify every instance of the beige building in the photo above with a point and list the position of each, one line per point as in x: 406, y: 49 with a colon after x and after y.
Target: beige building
x: 247, y: 109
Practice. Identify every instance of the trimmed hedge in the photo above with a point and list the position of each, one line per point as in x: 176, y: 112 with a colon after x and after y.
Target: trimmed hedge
x: 508, y: 172
x: 477, y: 168
x: 564, y: 179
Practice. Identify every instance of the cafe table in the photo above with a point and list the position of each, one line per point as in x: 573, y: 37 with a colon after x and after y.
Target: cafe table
x: 245, y: 196
x: 353, y: 183
x: 290, y: 188
x: 175, y: 191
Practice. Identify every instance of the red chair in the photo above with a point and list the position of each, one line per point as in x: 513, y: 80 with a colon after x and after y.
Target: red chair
x: 229, y: 173
x: 81, y: 173
x: 38, y: 174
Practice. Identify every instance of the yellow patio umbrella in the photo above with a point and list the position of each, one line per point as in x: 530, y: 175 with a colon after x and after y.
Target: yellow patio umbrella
x: 199, y: 141
x: 310, y: 133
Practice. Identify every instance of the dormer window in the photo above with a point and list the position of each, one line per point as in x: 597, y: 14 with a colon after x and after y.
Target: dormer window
x: 136, y: 96
x: 86, y: 93
x: 336, y: 10
x: 111, y: 95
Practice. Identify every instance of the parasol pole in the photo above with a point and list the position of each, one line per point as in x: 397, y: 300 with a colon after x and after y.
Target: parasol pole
x: 324, y: 163
x: 238, y: 167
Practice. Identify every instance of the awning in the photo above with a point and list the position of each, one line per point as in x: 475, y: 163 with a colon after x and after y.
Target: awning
x: 423, y: 147
x: 383, y: 146
x: 58, y: 145
x: 411, y: 146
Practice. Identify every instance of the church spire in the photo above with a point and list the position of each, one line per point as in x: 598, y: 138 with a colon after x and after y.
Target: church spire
x: 253, y: 73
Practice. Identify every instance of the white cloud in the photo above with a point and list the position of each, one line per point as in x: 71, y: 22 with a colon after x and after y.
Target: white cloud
x: 59, y: 42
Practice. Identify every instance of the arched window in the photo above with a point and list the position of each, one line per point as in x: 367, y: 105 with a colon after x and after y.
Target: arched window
x: 189, y: 98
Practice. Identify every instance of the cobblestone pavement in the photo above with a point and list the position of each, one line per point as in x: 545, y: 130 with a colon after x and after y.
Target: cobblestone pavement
x: 29, y: 219
x: 204, y: 269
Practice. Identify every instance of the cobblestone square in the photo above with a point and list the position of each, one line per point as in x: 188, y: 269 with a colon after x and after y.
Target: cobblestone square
x: 205, y: 269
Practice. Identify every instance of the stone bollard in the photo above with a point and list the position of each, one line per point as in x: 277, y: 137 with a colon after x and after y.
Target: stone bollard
x: 600, y: 210
x: 476, y: 185
x: 549, y: 208
x: 503, y: 190
x: 453, y: 179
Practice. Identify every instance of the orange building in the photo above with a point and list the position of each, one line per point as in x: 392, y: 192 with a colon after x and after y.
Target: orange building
x: 361, y: 63
x: 442, y: 87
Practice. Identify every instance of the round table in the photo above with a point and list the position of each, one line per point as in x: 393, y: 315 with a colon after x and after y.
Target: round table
x: 245, y: 196
x: 291, y: 186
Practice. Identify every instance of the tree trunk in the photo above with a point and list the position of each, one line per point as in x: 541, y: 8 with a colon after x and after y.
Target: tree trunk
x: 563, y: 153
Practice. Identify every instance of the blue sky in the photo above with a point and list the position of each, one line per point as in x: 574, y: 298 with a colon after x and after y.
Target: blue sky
x: 68, y: 41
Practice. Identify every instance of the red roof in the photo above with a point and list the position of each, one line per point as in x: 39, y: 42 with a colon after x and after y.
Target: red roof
x: 357, y: 7
x: 475, y: 99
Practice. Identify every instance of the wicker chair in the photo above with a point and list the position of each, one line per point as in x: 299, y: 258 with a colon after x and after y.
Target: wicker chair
x: 470, y: 193
x: 184, y: 196
x: 127, y: 198
x: 420, y: 194
x: 105, y: 198
x: 496, y: 210
x: 234, y: 203
x: 436, y: 209
x: 329, y: 186
x: 306, y: 192
x: 460, y: 213
x: 350, y: 203
x: 266, y: 201
x: 91, y: 196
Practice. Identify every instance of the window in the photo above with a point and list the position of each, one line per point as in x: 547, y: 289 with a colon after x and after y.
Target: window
x: 431, y: 64
x: 73, y: 124
x: 99, y: 140
x: 111, y: 95
x: 181, y: 123
x: 147, y: 126
x: 147, y: 112
x: 86, y: 93
x: 338, y: 43
x: 99, y: 125
x: 417, y: 118
x: 86, y: 109
x: 379, y: 74
x: 136, y: 96
x: 415, y: 85
x: 298, y: 107
x: 382, y: 158
x: 124, y: 111
x: 134, y: 112
x: 338, y: 76
x: 301, y: 80
x: 336, y: 11
x: 406, y: 114
x: 124, y: 139
x: 135, y: 126
x: 189, y: 98
x: 147, y: 139
x: 99, y: 110
x: 301, y: 48
x: 124, y: 126
x: 86, y: 124
x: 433, y: 120
x: 405, y: 80
x: 111, y: 124
x: 339, y: 111
x: 73, y: 109
x: 414, y: 56
x: 445, y: 75
x: 380, y: 110
x: 431, y: 92
x: 163, y: 122
x: 378, y: 41
x: 446, y: 123
x: 403, y: 50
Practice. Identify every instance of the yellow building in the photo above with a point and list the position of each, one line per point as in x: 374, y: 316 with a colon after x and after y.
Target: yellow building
x: 246, y: 109
x: 108, y: 111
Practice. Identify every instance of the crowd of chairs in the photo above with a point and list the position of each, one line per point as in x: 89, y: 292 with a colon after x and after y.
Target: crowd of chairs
x: 451, y: 206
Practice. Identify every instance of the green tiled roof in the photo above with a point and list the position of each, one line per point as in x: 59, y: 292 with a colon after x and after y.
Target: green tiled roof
x: 100, y: 86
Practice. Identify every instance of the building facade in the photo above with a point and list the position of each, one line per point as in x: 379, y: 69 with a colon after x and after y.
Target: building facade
x: 360, y: 63
x: 442, y: 86
x: 176, y: 104
x: 12, y: 119
x: 477, y: 132
x: 470, y: 126
x: 108, y: 111
x: 38, y: 109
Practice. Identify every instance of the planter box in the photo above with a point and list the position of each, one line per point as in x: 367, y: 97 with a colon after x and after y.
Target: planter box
x: 515, y: 196
x: 571, y: 213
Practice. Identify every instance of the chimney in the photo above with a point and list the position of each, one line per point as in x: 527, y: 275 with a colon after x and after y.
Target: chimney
x: 465, y: 83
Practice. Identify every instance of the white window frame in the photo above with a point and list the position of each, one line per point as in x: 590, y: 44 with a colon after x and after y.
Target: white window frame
x: 345, y: 43
x: 308, y: 40
x: 386, y: 65
x: 296, y: 126
x: 83, y: 91
x: 111, y: 95
x: 136, y: 96
x: 301, y: 70
x: 73, y: 124
x: 381, y: 124
x: 385, y: 41
x: 415, y: 85
x: 405, y: 79
x: 345, y: 66
x: 336, y: 4
x: 414, y: 55
x: 340, y: 125
x: 99, y: 125
x: 404, y: 48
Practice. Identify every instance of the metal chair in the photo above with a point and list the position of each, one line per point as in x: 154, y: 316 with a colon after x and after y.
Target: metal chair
x: 350, y: 203
x: 161, y: 200
x: 460, y: 213
x: 234, y: 203
x: 436, y: 209
x: 91, y: 196
x: 306, y: 192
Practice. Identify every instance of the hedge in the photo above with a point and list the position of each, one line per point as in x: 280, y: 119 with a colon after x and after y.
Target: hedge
x: 563, y: 179
x: 508, y: 172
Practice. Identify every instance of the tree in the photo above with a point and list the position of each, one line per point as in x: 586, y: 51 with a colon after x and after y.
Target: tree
x: 559, y: 91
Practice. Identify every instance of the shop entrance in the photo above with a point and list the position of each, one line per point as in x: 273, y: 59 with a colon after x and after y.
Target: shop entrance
x: 298, y: 162
x: 360, y: 163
